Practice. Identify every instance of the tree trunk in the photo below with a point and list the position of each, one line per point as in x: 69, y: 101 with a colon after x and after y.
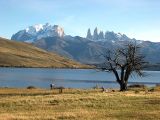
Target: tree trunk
x: 123, y: 86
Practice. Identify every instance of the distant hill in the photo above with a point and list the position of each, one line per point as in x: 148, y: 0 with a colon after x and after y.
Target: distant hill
x: 19, y: 54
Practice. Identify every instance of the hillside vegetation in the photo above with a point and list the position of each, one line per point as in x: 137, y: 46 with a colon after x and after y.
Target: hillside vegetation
x: 19, y: 54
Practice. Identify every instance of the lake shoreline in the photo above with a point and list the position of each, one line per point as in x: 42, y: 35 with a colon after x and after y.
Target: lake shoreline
x: 130, y: 87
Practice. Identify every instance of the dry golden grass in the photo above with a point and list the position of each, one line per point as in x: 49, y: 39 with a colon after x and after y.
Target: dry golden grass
x: 76, y: 104
x: 19, y: 54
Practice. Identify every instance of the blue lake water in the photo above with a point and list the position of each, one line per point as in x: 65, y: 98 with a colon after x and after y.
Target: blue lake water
x: 69, y: 78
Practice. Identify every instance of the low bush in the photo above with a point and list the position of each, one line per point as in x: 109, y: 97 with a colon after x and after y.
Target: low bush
x: 31, y: 87
x: 158, y: 85
x: 136, y: 86
x: 136, y: 91
x: 157, y: 88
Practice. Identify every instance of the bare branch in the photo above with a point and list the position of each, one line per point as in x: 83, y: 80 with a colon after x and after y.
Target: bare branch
x: 128, y: 60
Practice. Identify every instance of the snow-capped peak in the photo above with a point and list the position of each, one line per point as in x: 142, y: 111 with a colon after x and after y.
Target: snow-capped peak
x: 38, y: 27
x: 39, y: 31
x: 33, y: 30
x: 45, y: 30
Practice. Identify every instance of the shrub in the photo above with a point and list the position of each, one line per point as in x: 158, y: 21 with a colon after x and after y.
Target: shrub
x: 151, y: 90
x: 158, y: 85
x: 31, y: 87
x: 137, y: 91
x: 155, y: 89
x: 136, y: 86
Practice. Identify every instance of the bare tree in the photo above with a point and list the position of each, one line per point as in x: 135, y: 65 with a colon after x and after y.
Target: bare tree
x: 123, y: 62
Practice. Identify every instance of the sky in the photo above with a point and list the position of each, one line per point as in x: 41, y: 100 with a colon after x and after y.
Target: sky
x: 138, y: 19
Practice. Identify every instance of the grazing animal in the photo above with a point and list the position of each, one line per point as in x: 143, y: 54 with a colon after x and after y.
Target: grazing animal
x: 52, y: 86
x: 103, y: 89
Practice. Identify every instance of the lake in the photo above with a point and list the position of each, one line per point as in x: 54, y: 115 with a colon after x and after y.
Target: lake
x: 69, y: 78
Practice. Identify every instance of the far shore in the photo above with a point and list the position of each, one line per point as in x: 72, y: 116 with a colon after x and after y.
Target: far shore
x: 90, y: 67
x: 49, y: 67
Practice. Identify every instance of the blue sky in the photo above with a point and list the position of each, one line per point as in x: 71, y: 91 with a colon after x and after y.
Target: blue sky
x: 138, y: 19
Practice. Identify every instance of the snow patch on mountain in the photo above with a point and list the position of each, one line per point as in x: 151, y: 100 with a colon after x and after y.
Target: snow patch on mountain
x: 34, y: 29
x: 38, y: 31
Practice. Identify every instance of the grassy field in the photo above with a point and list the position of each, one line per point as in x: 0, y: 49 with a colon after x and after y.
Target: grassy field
x: 75, y: 104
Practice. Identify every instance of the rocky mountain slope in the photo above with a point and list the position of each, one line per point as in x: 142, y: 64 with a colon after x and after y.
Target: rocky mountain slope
x: 19, y: 54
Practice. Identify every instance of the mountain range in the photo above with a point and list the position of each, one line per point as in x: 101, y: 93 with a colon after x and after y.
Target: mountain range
x: 88, y: 50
